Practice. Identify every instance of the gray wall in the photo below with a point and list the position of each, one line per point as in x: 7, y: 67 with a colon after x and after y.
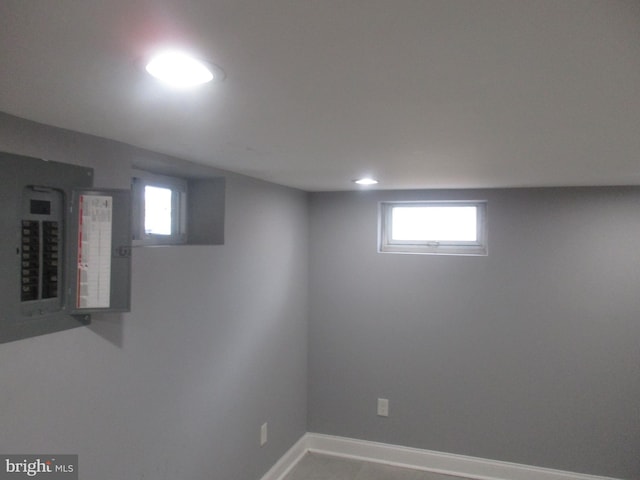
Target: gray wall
x: 215, y: 344
x: 528, y: 355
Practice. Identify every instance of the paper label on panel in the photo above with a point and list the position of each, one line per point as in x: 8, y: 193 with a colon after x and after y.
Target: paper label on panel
x: 94, y: 251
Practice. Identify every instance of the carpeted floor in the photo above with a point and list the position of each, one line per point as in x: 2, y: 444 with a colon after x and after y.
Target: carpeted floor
x: 314, y: 466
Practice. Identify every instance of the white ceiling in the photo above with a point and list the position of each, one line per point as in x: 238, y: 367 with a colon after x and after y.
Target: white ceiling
x: 419, y: 93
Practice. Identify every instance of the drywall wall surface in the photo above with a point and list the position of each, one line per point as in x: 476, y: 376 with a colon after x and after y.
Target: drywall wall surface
x: 528, y: 355
x: 215, y: 344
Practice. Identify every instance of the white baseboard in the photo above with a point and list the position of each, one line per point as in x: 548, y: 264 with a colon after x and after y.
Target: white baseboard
x: 288, y: 460
x: 418, y: 459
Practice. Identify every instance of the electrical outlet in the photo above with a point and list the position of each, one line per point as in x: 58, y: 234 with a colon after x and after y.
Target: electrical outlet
x: 263, y: 434
x: 383, y: 407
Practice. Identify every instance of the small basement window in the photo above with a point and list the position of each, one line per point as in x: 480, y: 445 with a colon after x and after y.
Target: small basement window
x: 433, y: 227
x: 159, y: 209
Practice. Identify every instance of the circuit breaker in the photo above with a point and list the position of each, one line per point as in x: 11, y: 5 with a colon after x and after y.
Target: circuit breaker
x: 64, y: 247
x: 40, y: 256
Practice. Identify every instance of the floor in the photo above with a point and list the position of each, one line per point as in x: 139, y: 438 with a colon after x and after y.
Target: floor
x: 314, y: 466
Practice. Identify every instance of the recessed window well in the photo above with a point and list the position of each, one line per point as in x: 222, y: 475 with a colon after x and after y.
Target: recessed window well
x: 160, y: 209
x: 178, y: 69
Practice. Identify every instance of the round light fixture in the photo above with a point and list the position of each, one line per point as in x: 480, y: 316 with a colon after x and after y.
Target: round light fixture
x: 365, y: 181
x: 180, y: 70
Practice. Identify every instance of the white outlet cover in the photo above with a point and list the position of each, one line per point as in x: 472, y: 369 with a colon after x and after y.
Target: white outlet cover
x: 263, y: 434
x: 383, y: 407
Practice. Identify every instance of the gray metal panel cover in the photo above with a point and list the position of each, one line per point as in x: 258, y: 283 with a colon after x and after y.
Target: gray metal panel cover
x: 20, y: 318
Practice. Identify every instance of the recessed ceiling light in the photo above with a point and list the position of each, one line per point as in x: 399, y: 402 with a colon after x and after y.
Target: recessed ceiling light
x: 181, y: 70
x: 365, y: 181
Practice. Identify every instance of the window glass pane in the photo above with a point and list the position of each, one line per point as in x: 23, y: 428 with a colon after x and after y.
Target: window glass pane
x: 434, y: 223
x: 157, y: 210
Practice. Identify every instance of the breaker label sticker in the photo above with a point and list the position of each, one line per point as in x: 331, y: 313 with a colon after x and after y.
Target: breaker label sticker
x: 94, y: 251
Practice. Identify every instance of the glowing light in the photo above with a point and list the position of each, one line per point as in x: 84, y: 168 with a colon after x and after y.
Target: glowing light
x: 365, y: 181
x: 180, y: 70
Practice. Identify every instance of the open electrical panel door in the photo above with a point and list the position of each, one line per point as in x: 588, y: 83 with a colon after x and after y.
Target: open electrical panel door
x: 100, y: 252
x: 64, y: 247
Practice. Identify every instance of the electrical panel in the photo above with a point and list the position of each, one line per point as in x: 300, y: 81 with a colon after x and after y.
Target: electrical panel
x: 40, y: 257
x: 64, y: 247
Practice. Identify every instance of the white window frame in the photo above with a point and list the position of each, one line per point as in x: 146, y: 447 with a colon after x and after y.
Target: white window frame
x: 178, y: 187
x: 473, y: 248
